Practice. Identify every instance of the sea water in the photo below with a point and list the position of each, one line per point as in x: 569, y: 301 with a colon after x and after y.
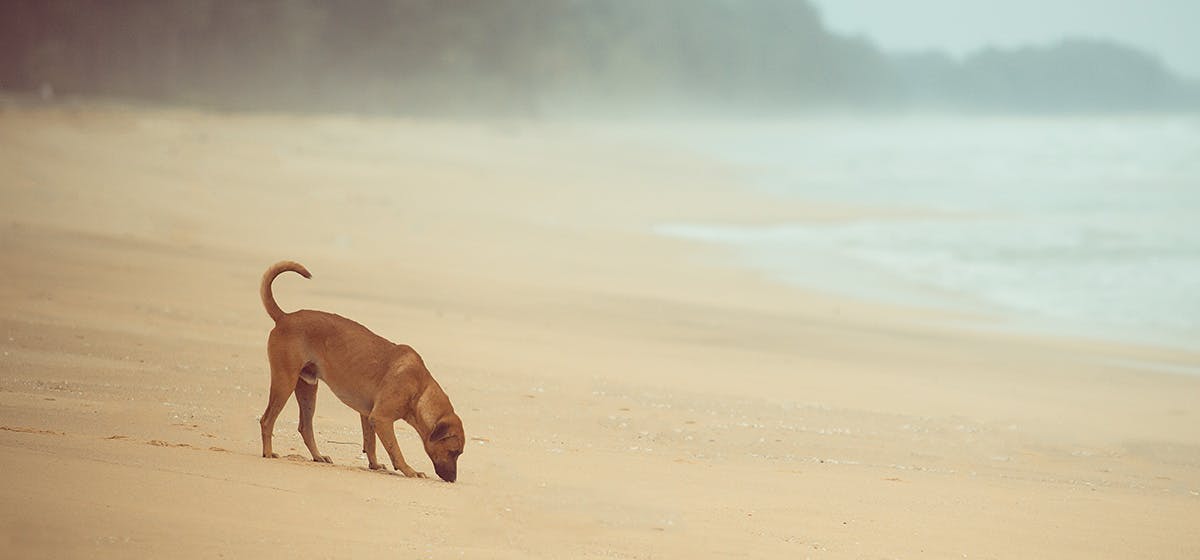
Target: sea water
x: 1074, y: 225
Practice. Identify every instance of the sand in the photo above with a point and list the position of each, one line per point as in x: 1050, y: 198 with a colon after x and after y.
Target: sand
x: 625, y: 395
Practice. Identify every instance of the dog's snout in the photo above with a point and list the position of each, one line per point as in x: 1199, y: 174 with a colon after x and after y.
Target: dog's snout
x: 449, y: 475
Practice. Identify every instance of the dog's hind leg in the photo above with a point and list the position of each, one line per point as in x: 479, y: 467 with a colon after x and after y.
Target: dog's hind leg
x: 284, y: 375
x: 369, y: 442
x: 306, y: 397
x: 275, y: 402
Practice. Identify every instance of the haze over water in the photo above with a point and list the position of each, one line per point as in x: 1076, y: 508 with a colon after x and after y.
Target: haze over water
x: 1080, y: 226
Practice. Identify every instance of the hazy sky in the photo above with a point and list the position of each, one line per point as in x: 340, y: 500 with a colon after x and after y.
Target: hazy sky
x: 1168, y: 28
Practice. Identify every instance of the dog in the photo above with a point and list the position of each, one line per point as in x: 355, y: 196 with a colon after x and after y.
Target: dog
x: 383, y: 381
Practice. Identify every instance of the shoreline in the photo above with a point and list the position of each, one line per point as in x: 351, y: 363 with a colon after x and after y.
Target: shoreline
x: 844, y: 277
x: 1077, y: 227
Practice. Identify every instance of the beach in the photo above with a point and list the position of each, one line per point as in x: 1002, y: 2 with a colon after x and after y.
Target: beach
x: 625, y: 394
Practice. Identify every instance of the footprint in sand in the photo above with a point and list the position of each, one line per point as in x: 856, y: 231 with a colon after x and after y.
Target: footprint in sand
x: 161, y: 443
x: 25, y: 430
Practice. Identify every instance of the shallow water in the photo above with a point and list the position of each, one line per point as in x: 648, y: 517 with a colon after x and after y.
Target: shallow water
x: 1082, y: 226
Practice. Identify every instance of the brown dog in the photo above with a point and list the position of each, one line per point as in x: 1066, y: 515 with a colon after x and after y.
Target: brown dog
x: 384, y: 382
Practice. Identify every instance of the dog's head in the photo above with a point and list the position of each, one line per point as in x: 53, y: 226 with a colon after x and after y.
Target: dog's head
x: 444, y: 445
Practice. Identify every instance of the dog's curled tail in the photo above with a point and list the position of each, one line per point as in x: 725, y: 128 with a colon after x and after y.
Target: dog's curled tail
x: 268, y: 298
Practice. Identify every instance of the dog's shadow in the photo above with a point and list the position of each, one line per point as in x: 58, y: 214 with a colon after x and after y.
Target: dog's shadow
x: 296, y: 458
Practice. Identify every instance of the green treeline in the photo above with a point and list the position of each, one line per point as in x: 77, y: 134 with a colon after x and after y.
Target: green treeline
x: 531, y: 56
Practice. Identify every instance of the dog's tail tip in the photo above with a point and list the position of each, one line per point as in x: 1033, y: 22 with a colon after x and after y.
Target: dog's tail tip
x: 288, y: 266
x: 299, y: 268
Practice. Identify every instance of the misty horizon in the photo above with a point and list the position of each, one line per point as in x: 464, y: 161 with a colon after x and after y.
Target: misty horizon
x: 963, y: 27
x: 543, y: 57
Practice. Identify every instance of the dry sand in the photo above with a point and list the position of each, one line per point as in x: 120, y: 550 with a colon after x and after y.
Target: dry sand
x: 626, y: 396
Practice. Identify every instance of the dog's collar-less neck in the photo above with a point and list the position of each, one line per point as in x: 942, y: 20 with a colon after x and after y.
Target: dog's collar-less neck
x: 421, y: 419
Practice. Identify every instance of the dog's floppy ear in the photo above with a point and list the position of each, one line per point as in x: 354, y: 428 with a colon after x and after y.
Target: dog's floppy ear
x: 440, y: 432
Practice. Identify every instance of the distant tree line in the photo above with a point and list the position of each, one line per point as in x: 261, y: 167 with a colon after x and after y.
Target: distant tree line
x: 1074, y: 75
x: 527, y: 56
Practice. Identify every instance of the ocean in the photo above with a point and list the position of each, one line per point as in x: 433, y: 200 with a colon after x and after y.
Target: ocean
x: 1079, y: 226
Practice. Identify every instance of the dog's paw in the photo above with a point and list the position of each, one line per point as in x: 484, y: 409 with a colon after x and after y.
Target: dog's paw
x: 270, y: 455
x: 377, y: 467
x: 412, y: 474
x: 324, y: 459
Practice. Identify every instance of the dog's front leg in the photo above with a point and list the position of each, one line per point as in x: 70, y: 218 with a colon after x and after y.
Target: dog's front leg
x: 385, y: 429
x: 369, y: 442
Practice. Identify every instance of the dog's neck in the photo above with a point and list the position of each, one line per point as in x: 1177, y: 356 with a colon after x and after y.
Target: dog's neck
x: 430, y: 406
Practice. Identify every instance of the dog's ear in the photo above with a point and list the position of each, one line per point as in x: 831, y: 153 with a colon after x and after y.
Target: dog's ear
x: 440, y: 432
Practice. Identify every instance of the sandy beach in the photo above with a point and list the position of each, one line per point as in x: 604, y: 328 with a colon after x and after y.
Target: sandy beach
x: 625, y: 395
